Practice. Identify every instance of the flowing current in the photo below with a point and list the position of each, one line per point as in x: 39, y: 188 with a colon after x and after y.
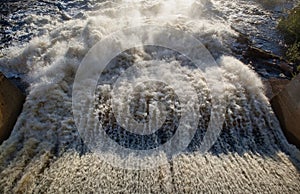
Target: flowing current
x: 47, y: 151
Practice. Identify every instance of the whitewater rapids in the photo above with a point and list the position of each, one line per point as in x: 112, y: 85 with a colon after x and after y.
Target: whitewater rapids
x: 45, y: 152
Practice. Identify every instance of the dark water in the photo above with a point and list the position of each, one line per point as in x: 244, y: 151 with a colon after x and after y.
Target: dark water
x: 256, y: 27
x: 46, y: 153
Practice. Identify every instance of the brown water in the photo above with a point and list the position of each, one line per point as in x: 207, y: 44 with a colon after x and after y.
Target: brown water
x: 46, y: 153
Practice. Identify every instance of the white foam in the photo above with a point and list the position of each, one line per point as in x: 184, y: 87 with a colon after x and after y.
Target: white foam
x: 42, y: 153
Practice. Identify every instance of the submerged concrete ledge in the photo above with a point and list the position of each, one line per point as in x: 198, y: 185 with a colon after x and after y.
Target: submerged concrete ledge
x: 11, y: 102
x: 286, y: 106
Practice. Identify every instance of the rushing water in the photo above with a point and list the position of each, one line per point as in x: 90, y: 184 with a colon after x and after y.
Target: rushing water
x: 45, y: 152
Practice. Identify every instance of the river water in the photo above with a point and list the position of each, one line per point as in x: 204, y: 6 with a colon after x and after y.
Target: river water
x: 44, y: 43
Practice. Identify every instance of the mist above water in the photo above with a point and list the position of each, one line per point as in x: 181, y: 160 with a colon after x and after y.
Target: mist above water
x: 45, y: 152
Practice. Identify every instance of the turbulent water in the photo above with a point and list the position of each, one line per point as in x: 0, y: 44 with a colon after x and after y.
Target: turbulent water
x: 46, y: 153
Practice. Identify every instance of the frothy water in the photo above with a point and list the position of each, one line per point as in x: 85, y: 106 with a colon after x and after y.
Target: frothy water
x: 45, y: 152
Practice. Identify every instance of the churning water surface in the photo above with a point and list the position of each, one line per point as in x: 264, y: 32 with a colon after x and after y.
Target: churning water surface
x: 46, y: 153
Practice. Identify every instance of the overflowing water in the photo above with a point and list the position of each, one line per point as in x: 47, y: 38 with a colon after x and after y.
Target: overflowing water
x: 46, y: 153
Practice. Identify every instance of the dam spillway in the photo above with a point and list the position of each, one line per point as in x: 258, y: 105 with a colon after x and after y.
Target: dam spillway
x: 47, y: 154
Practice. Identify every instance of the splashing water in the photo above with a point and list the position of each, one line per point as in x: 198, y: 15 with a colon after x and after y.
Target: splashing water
x: 45, y: 152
